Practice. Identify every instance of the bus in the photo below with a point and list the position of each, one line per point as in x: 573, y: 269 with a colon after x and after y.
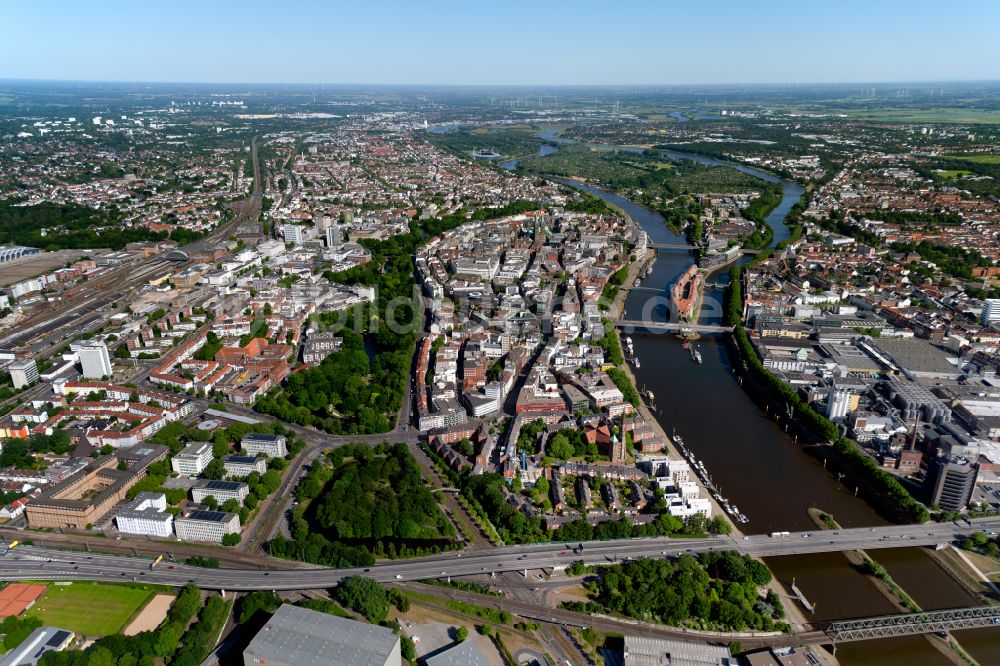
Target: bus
x: 155, y: 562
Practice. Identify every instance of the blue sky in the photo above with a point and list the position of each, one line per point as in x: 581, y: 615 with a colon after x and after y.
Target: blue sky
x: 543, y: 42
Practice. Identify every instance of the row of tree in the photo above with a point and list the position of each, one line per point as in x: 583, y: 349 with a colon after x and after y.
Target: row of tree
x: 171, y: 643
x: 819, y: 425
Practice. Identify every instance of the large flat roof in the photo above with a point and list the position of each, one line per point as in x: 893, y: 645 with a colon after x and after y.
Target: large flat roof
x: 306, y: 637
x: 207, y: 516
x: 466, y: 653
x: 919, y: 355
x: 641, y: 651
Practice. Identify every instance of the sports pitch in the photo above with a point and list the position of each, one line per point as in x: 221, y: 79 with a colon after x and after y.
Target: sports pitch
x: 89, y: 609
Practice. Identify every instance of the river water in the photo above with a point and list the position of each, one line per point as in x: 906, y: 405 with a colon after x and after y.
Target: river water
x: 759, y: 467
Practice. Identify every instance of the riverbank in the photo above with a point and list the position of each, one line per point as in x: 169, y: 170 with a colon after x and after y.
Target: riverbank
x: 615, y: 310
x: 890, y: 589
x: 861, y: 561
x: 747, y: 453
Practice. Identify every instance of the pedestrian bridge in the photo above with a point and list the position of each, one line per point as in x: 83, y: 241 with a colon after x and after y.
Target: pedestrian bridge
x: 886, y: 626
x: 669, y: 327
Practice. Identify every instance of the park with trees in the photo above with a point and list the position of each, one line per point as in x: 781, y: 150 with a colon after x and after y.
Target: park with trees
x: 715, y: 591
x: 362, y: 502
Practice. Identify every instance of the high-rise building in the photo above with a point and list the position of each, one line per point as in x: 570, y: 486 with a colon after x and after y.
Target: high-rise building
x: 838, y: 403
x: 990, y: 312
x: 23, y: 373
x: 95, y: 360
x: 951, y: 481
x: 333, y: 235
x: 292, y: 233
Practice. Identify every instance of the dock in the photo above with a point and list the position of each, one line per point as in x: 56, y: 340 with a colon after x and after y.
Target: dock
x: 802, y: 597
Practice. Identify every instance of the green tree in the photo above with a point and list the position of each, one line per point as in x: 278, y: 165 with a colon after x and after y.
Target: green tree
x: 214, y: 470
x: 101, y: 656
x: 255, y: 602
x: 559, y: 447
x: 220, y: 444
x: 364, y: 596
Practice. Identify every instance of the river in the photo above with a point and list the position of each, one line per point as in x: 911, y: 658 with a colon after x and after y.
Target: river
x: 758, y: 467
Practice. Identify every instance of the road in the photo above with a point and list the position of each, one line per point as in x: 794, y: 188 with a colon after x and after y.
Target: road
x: 26, y: 562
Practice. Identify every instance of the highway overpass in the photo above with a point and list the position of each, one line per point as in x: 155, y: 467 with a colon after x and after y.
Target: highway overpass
x: 26, y: 562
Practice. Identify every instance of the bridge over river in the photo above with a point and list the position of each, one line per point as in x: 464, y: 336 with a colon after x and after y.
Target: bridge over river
x: 664, y: 247
x: 669, y: 327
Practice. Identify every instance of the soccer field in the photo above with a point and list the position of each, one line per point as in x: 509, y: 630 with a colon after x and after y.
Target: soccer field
x: 89, y: 609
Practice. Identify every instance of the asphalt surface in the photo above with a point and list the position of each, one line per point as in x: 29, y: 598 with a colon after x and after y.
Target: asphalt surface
x: 27, y: 562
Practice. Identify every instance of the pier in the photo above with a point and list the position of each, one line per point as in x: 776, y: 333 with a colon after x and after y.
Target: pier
x: 802, y: 597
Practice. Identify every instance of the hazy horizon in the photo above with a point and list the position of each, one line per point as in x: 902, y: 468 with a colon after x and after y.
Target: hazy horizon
x: 419, y: 84
x: 515, y: 43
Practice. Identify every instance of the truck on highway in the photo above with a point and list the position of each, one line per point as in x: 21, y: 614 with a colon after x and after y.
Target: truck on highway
x: 779, y: 535
x: 153, y: 564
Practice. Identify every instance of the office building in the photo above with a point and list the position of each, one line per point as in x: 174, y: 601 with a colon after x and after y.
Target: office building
x: 951, y: 481
x: 301, y: 637
x: 990, y: 312
x: 292, y: 233
x: 238, y: 467
x: 146, y: 515
x: 95, y: 360
x: 272, y: 446
x: 85, y: 497
x: 333, y: 235
x: 23, y: 373
x: 222, y: 491
x: 193, y: 459
x: 198, y: 525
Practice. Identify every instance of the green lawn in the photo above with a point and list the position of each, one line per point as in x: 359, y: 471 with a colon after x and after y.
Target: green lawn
x: 89, y: 609
x: 977, y: 158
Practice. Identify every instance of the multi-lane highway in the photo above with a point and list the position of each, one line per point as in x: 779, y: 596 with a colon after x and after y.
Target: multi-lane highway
x: 25, y: 562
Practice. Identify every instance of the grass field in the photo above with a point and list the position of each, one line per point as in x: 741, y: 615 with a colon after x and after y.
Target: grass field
x: 963, y: 115
x: 976, y: 159
x: 89, y: 609
x: 953, y: 173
